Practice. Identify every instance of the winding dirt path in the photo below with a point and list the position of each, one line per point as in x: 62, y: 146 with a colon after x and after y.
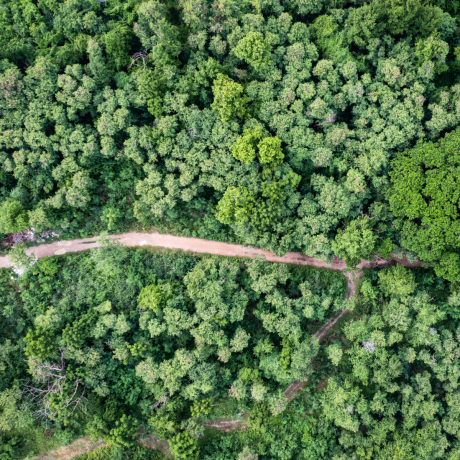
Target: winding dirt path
x: 226, y: 424
x: 198, y: 245
x: 194, y: 245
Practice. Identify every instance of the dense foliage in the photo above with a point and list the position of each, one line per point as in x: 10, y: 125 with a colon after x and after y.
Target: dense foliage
x: 112, y: 453
x: 142, y: 342
x: 385, y: 386
x: 425, y: 197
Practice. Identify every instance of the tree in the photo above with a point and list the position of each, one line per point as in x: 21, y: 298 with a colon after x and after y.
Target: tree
x: 285, y: 358
x: 259, y: 416
x: 75, y: 334
x: 236, y: 206
x: 229, y: 100
x: 124, y: 432
x: 255, y: 50
x: 244, y: 147
x: 154, y: 297
x: 248, y: 454
x: 152, y: 84
x: 424, y: 197
x: 200, y: 408
x: 39, y: 343
x: 20, y: 261
x: 194, y: 428
x: 13, y: 217
x: 334, y: 353
x: 270, y: 151
x: 356, y: 242
x: 433, y: 49
x: 117, y: 46
x: 183, y: 446
x: 397, y: 281
x: 97, y: 62
x: 13, y: 416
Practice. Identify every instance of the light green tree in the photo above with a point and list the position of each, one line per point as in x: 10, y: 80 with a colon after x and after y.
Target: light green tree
x: 270, y: 151
x: 154, y: 297
x: 356, y: 242
x: 424, y: 196
x: 397, y: 280
x: 183, y: 446
x: 13, y: 217
x: 244, y: 149
x: 124, y: 432
x: 229, y: 100
x: 248, y: 454
x: 39, y: 343
x: 334, y: 353
x: 236, y: 206
x: 255, y: 50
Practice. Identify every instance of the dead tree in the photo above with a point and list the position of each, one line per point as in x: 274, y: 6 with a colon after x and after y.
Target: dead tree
x: 163, y: 400
x: 49, y: 380
x: 139, y: 55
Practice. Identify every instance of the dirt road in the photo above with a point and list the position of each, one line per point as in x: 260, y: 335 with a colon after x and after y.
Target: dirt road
x: 210, y: 247
x: 224, y: 249
x: 191, y: 244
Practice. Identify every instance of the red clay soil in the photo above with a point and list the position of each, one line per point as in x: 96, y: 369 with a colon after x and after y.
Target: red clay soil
x: 194, y: 245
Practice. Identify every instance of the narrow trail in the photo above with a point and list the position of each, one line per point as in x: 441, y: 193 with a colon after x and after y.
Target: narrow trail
x: 226, y: 424
x: 297, y: 385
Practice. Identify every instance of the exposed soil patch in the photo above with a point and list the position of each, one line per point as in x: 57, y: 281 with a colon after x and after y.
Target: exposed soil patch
x: 80, y: 446
x: 293, y: 389
x: 351, y: 285
x: 330, y: 324
x: 152, y: 442
x: 323, y: 384
x: 224, y: 424
x: 196, y: 245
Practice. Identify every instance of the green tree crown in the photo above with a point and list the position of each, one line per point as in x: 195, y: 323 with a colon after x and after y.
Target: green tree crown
x: 425, y: 197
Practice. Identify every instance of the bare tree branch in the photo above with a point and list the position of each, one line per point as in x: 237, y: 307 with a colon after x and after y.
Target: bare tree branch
x: 51, y: 379
x: 136, y: 56
x: 163, y: 400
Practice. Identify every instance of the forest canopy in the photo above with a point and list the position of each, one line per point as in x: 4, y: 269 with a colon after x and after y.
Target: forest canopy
x: 326, y: 127
x: 131, y: 338
x: 272, y: 124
